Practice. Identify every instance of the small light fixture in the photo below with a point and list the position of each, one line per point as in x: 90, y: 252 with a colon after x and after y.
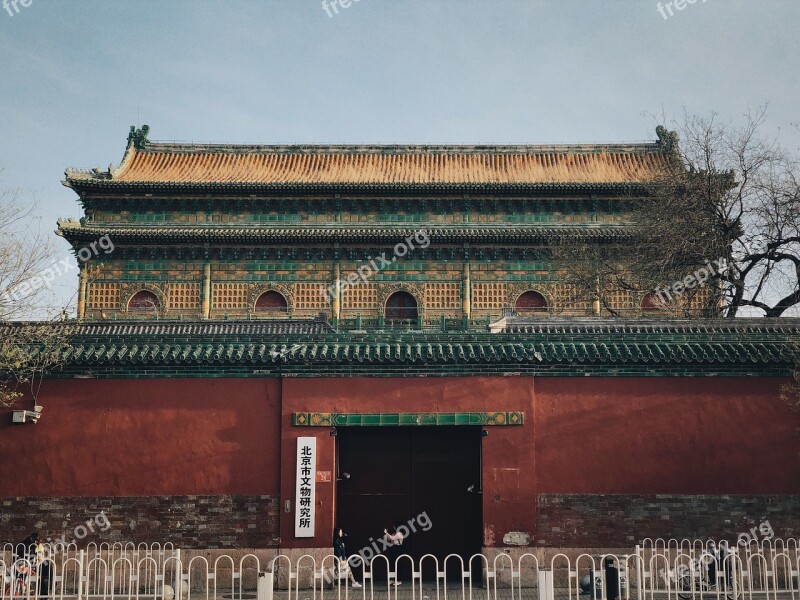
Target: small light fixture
x: 484, y: 432
x: 333, y: 432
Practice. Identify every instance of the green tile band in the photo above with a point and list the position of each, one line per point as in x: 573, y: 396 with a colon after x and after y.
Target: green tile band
x: 406, y: 419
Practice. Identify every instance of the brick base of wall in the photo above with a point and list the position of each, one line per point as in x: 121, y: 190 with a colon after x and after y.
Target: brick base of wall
x: 622, y: 521
x: 230, y: 522
x: 186, y: 521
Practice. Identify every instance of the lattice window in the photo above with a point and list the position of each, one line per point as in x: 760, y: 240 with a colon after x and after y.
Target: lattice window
x: 311, y: 296
x: 698, y: 299
x: 229, y: 296
x: 443, y: 295
x: 360, y: 296
x: 103, y: 295
x: 622, y: 300
x: 565, y: 297
x: 183, y: 296
x: 489, y: 295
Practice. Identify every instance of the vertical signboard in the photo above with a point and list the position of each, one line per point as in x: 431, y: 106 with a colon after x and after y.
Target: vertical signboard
x: 304, y: 496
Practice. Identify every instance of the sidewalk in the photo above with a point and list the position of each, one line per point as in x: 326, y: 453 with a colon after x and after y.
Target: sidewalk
x: 454, y: 591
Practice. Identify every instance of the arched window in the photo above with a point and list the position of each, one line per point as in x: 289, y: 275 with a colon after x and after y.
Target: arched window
x: 144, y: 300
x: 401, y: 309
x: 652, y: 301
x: 531, y: 301
x: 271, y: 301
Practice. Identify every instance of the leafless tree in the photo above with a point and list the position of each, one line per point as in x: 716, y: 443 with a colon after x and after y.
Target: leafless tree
x: 728, y: 202
x: 740, y: 202
x: 27, y: 350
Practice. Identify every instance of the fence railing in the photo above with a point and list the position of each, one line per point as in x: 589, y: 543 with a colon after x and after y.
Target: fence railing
x: 650, y: 572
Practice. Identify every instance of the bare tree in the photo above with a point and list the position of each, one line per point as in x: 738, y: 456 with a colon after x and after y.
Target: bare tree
x: 740, y: 204
x: 726, y: 207
x: 27, y: 350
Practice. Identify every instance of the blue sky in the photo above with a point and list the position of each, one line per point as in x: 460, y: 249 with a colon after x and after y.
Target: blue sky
x: 75, y: 74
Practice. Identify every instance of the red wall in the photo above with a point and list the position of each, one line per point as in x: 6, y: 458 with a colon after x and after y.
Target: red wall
x: 628, y: 436
x: 662, y: 436
x: 137, y: 437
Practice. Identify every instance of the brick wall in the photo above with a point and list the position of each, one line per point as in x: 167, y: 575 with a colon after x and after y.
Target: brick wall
x: 617, y: 521
x: 186, y: 521
x: 562, y: 520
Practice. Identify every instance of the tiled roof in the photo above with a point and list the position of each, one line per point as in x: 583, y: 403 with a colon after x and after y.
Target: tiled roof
x: 743, y: 347
x: 208, y: 330
x: 205, y: 164
x: 75, y: 231
x: 649, y: 353
x: 728, y: 329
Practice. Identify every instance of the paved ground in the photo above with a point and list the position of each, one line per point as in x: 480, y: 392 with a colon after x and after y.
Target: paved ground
x: 453, y: 592
x: 429, y: 592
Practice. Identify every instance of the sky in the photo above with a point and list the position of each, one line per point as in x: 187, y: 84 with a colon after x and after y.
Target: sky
x: 76, y: 74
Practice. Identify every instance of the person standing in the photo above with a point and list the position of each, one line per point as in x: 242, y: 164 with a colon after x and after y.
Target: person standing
x: 27, y: 547
x: 340, y: 552
x: 718, y: 561
x: 395, y: 540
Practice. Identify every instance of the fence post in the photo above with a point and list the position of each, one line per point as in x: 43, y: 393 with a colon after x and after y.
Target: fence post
x: 545, y: 585
x: 177, y: 586
x: 265, y: 586
x: 80, y: 575
x: 640, y: 573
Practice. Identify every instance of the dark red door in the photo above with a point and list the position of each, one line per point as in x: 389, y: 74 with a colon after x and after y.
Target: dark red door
x: 424, y: 478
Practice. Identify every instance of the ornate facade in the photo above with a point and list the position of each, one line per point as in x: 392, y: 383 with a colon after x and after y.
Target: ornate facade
x: 423, y: 237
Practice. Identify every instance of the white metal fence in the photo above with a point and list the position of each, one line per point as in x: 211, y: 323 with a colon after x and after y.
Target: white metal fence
x: 654, y: 570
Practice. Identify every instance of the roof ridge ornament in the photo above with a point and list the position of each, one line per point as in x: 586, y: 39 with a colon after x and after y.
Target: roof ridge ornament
x: 667, y: 140
x: 138, y: 137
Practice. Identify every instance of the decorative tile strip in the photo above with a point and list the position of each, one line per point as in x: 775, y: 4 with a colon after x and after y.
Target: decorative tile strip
x: 405, y: 419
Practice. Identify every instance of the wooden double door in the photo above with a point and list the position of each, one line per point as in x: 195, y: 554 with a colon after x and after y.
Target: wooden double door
x: 426, y: 479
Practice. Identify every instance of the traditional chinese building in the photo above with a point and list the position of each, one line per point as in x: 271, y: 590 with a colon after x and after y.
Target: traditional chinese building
x: 429, y: 236
x: 342, y: 296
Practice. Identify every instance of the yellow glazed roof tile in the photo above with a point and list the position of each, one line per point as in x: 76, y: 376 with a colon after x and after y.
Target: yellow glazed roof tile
x: 367, y: 167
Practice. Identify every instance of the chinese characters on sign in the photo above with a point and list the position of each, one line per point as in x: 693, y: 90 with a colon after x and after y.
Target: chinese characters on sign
x: 304, y: 496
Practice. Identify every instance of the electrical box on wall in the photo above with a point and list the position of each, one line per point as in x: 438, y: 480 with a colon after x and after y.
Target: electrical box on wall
x: 27, y: 416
